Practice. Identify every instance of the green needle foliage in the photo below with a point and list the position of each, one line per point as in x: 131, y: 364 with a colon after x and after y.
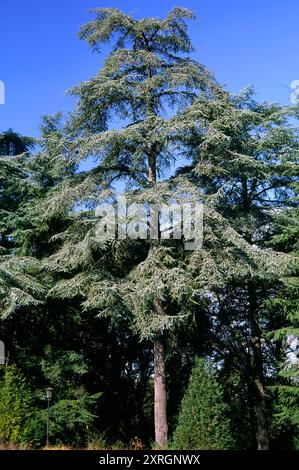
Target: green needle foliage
x: 285, y: 308
x: 203, y: 421
x: 15, y: 406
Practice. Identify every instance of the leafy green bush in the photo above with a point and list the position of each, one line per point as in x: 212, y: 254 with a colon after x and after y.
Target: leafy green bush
x: 35, y: 433
x: 72, y: 420
x: 284, y: 418
x: 15, y: 406
x: 23, y: 415
x: 203, y: 421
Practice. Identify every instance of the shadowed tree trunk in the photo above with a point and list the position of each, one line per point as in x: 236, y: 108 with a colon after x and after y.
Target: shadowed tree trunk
x: 257, y: 364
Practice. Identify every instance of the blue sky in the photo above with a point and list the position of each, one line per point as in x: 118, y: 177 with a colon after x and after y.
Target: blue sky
x: 242, y: 41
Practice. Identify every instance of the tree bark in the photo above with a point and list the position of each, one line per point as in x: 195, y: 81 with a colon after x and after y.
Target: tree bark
x: 262, y: 433
x: 161, y: 428
x: 160, y: 395
x: 260, y: 405
x: 152, y: 169
x: 257, y: 359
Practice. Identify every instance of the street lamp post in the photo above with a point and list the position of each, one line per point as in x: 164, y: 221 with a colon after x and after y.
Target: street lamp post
x: 49, y: 392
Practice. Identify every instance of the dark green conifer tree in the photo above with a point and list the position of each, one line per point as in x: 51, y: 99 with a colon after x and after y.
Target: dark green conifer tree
x: 203, y: 421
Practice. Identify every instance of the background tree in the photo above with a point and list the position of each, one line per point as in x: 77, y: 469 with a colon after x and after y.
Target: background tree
x: 12, y: 143
x: 15, y: 406
x: 244, y: 158
x: 14, y: 187
x: 284, y: 390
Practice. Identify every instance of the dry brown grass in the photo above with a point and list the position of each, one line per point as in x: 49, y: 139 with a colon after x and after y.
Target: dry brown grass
x: 97, y: 444
x: 8, y: 447
x: 59, y: 447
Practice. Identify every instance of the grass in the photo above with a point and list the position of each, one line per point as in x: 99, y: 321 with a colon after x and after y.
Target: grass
x: 97, y: 444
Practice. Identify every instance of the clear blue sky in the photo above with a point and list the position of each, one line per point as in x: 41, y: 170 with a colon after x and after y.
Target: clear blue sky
x: 242, y: 41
